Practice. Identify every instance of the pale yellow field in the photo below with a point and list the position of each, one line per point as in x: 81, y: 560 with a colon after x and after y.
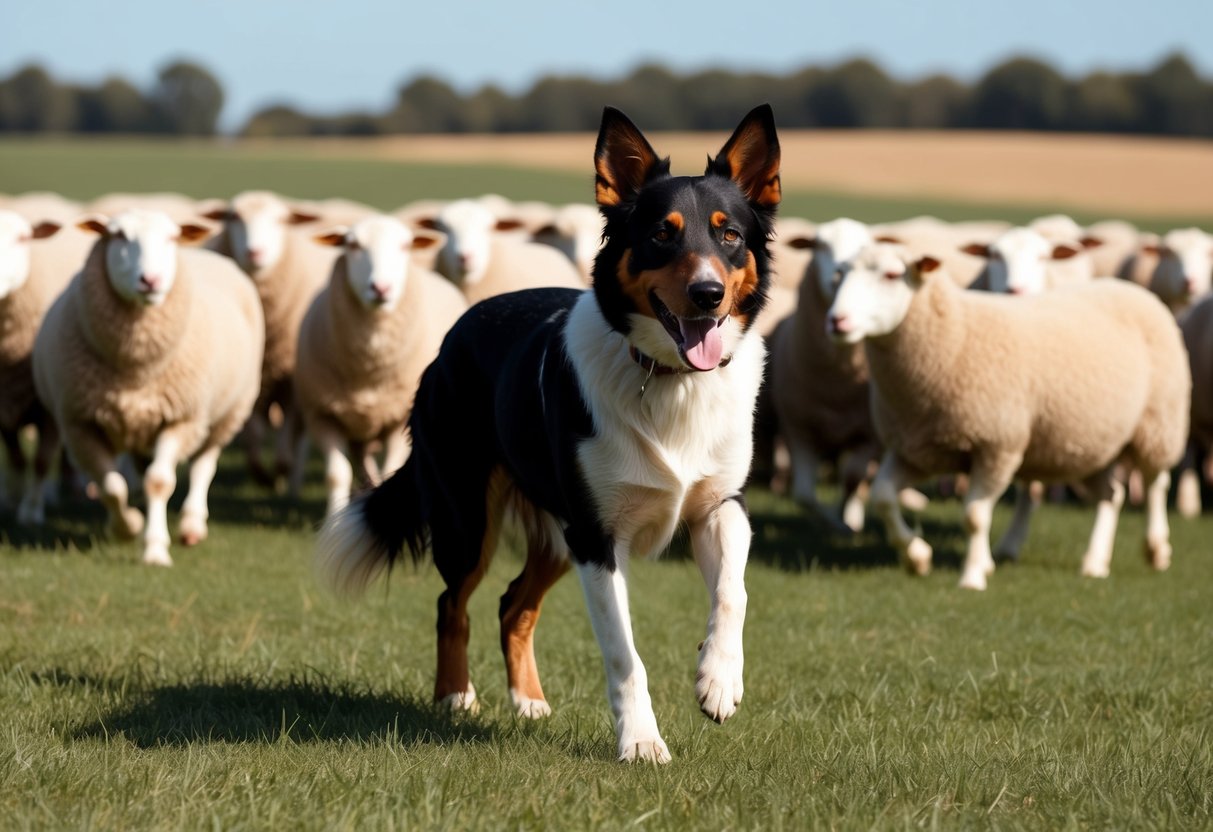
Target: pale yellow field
x: 1106, y: 174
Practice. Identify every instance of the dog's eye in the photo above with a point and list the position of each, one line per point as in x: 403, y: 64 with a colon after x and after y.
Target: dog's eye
x: 730, y: 235
x: 662, y: 235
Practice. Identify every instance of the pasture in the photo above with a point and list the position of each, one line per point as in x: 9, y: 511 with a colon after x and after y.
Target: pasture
x: 232, y: 692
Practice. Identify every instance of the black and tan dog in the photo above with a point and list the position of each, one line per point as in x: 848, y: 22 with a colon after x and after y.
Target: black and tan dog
x: 603, y: 419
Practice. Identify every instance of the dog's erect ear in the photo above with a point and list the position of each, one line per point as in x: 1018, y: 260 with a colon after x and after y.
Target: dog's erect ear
x: 623, y: 159
x: 751, y: 158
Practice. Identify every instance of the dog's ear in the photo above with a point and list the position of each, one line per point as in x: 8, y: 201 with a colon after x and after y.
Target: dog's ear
x: 751, y: 158
x: 623, y: 159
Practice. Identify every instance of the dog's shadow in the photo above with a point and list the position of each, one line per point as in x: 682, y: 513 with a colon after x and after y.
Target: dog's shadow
x: 247, y: 711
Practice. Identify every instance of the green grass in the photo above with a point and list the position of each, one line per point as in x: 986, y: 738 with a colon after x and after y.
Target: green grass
x: 232, y: 692
x: 85, y: 169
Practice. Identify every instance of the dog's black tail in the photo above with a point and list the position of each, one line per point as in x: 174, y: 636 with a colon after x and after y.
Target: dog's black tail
x: 367, y: 536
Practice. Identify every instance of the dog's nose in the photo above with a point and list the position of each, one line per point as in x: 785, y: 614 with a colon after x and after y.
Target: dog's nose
x: 706, y: 294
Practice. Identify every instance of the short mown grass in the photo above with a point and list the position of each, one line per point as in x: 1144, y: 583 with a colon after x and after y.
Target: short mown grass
x: 232, y: 691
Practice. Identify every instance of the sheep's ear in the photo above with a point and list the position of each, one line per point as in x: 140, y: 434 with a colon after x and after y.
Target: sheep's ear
x: 1152, y: 248
x: 335, y: 237
x: 508, y: 225
x: 45, y: 229
x: 546, y: 230
x: 301, y: 218
x: 424, y: 241
x: 95, y: 224
x: 801, y: 243
x: 1091, y: 242
x: 215, y: 210
x: 920, y: 268
x: 977, y: 250
x: 1064, y: 252
x: 191, y: 233
x: 428, y: 223
x: 889, y: 238
x: 623, y: 160
x: 751, y: 158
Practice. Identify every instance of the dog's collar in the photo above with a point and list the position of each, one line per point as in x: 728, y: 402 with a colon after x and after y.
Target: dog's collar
x: 655, y: 368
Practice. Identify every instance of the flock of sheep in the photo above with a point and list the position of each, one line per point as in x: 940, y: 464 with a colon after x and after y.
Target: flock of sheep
x: 887, y: 344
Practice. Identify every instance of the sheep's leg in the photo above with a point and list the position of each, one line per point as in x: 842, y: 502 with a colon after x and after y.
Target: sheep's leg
x: 987, y: 482
x: 338, y: 473
x: 290, y: 434
x: 1110, y: 496
x: 721, y: 544
x: 294, y: 485
x: 399, y: 446
x: 1158, y: 532
x: 1027, y: 500
x: 17, y: 464
x: 894, y: 476
x: 805, y: 465
x: 33, y: 503
x: 195, y: 512
x: 855, y: 488
x: 93, y: 456
x: 253, y: 436
x: 546, y: 561
x: 159, y: 483
x: 1187, y: 496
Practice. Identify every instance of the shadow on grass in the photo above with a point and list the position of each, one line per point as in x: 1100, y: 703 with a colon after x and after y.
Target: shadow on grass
x: 297, y: 710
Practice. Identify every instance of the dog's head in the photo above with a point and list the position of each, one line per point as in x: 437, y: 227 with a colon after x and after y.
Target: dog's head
x: 684, y: 268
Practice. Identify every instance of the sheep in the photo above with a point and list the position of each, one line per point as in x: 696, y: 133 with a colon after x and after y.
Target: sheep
x: 1185, y: 267
x: 152, y: 350
x: 33, y: 271
x: 482, y: 263
x: 288, y: 269
x: 178, y: 207
x: 1197, y: 327
x: 1118, y: 241
x: 362, y: 346
x: 40, y: 206
x: 947, y: 396
x: 946, y: 241
x: 575, y: 230
x: 1021, y: 261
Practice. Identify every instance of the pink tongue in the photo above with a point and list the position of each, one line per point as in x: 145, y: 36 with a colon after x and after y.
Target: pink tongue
x: 701, y: 343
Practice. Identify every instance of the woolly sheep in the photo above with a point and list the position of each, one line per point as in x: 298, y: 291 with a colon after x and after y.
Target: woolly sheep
x: 1197, y: 327
x: 363, y: 345
x: 1185, y: 267
x: 576, y: 231
x: 482, y: 263
x: 178, y: 207
x: 947, y: 398
x: 33, y: 271
x: 39, y: 206
x: 152, y: 350
x: 1021, y: 261
x: 288, y: 270
x: 945, y: 241
x: 1118, y: 241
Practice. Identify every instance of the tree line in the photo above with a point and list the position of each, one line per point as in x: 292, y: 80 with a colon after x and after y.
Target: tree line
x: 1021, y: 93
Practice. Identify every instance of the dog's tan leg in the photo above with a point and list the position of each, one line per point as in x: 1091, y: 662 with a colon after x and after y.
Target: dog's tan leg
x: 519, y: 615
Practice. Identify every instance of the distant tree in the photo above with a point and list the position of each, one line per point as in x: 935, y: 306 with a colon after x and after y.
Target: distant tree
x: 649, y: 95
x: 490, y: 110
x: 1104, y: 102
x: 1175, y: 100
x: 187, y: 100
x: 114, y: 107
x: 856, y: 94
x: 1020, y: 94
x: 936, y: 102
x: 278, y: 120
x: 425, y: 105
x: 562, y: 104
x: 715, y: 99
x: 32, y: 102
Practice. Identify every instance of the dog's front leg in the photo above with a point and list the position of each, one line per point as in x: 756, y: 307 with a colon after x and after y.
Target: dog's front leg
x: 721, y: 541
x: 606, y: 595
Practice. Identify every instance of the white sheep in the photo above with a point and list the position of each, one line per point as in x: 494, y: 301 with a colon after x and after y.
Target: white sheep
x: 576, y: 231
x: 363, y: 345
x: 1185, y: 267
x: 40, y: 206
x: 33, y: 271
x: 1197, y: 327
x: 945, y: 241
x: 152, y: 350
x: 971, y: 381
x: 1021, y: 261
x: 483, y: 263
x: 177, y: 207
x: 288, y: 270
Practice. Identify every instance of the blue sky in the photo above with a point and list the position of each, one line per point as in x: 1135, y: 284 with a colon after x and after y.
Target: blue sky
x: 334, y: 56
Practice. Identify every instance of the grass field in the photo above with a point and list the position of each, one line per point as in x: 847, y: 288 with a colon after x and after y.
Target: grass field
x: 232, y: 692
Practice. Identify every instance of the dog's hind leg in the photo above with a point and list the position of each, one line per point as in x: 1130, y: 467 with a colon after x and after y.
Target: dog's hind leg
x: 546, y: 561
x: 463, y: 543
x: 720, y: 539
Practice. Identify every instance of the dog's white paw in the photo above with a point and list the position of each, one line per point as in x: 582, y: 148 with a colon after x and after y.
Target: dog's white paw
x: 464, y: 701
x: 529, y: 708
x: 718, y: 685
x: 648, y: 750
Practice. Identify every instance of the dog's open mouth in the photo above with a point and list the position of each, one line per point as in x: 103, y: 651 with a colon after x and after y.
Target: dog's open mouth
x: 698, y: 339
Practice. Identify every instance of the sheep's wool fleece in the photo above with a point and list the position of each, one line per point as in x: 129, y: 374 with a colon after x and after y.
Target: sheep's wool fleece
x: 130, y: 371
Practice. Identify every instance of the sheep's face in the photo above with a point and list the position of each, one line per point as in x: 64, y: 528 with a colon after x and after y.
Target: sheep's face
x: 469, y: 227
x: 874, y: 297
x: 1019, y: 260
x: 1185, y: 265
x: 15, y: 236
x: 377, y: 256
x: 141, y: 253
x: 256, y: 226
x: 835, y: 247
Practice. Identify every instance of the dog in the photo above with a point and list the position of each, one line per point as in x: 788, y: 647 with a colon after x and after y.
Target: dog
x: 602, y: 419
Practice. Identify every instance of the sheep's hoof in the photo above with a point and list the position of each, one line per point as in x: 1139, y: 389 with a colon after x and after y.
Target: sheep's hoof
x: 29, y: 514
x: 1158, y: 554
x: 1006, y: 556
x: 156, y: 554
x: 128, y: 525
x: 975, y: 581
x: 918, y: 557
x: 193, y: 529
x: 1187, y: 497
x: 912, y: 499
x: 1094, y: 570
